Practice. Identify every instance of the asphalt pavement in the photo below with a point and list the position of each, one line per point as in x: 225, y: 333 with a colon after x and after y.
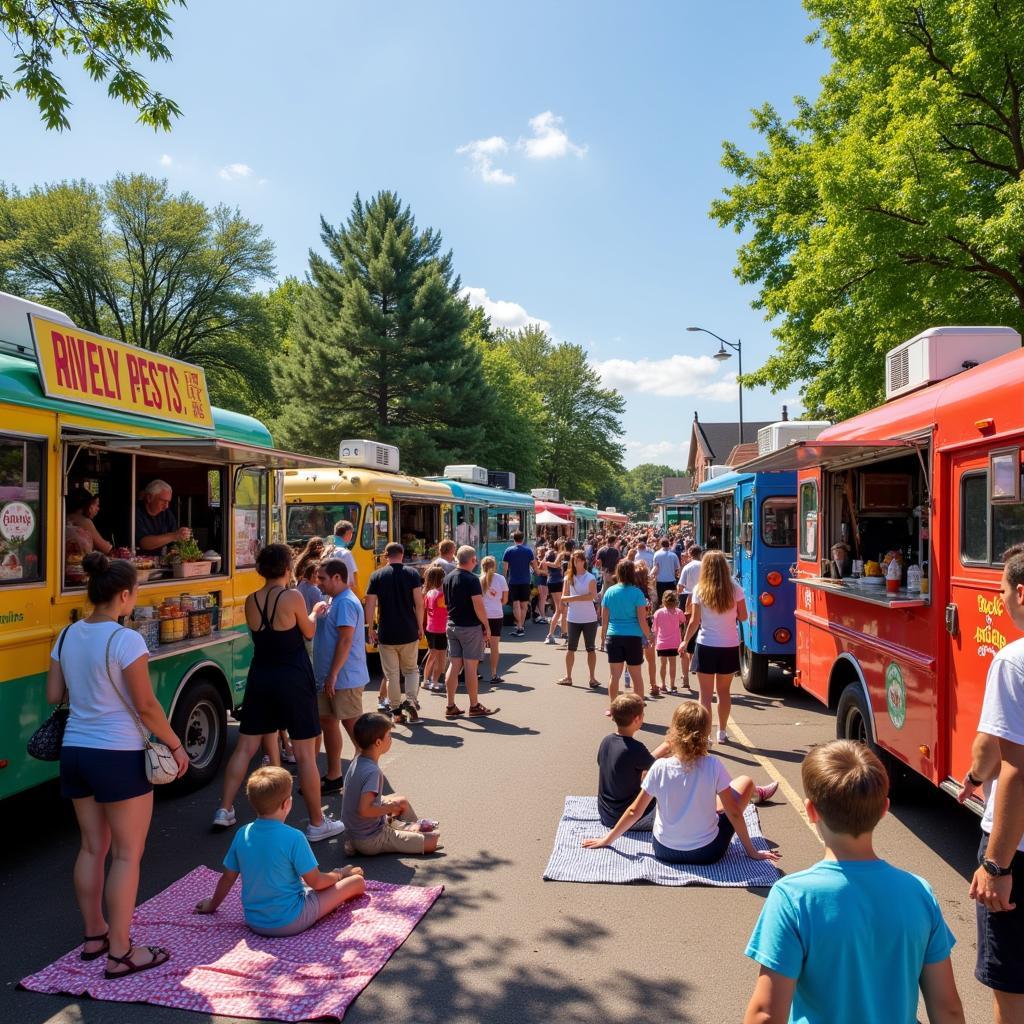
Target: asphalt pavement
x: 502, y: 945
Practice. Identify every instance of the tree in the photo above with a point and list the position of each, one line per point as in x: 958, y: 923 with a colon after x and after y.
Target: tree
x: 132, y: 261
x: 106, y: 34
x: 580, y: 447
x: 641, y: 485
x: 891, y: 203
x: 512, y: 420
x: 378, y: 344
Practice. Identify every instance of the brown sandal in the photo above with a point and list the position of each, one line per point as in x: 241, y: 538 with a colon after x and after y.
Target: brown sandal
x: 479, y: 711
x: 453, y: 711
x: 160, y: 956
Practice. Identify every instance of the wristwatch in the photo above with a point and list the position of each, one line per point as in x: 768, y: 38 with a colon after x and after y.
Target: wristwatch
x: 973, y: 781
x: 994, y: 869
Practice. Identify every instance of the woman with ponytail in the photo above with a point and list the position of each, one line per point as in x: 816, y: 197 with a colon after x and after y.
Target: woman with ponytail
x: 103, y: 760
x: 495, y: 590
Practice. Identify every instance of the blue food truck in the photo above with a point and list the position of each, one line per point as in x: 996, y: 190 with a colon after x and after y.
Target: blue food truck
x: 752, y: 518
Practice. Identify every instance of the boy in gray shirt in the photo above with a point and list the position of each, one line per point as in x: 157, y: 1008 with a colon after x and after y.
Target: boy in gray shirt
x: 374, y: 824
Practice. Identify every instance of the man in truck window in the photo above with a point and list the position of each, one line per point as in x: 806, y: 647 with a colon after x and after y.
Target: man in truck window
x: 998, y: 761
x: 156, y: 526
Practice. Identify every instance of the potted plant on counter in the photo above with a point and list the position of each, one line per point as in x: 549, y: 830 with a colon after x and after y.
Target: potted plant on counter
x: 187, y: 560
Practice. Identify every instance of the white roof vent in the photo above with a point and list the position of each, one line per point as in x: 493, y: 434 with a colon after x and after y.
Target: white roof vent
x: 15, y: 336
x: 467, y: 474
x: 369, y: 455
x: 717, y: 471
x: 942, y: 352
x: 778, y: 435
x: 546, y: 494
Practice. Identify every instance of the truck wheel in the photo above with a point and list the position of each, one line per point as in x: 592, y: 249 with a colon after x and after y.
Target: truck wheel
x: 753, y: 671
x: 853, y: 722
x: 200, y: 720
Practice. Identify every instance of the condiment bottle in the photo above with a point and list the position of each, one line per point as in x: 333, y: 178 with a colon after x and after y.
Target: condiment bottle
x: 914, y: 579
x: 892, y: 577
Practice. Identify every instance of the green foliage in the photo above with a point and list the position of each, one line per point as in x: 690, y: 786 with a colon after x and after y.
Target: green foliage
x: 377, y: 344
x: 134, y: 262
x: 894, y: 201
x: 512, y: 414
x: 581, y: 425
x: 106, y: 34
x: 641, y: 485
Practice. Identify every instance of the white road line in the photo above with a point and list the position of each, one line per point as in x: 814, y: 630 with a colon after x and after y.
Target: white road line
x: 788, y: 791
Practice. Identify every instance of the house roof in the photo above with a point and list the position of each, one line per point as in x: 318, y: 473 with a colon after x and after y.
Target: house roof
x: 717, y: 440
x: 672, y: 485
x: 742, y: 453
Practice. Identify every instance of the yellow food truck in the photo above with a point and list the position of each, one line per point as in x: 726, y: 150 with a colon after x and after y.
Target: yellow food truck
x: 89, y: 428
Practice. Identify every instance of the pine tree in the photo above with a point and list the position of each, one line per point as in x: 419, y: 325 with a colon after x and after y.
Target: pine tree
x: 378, y: 348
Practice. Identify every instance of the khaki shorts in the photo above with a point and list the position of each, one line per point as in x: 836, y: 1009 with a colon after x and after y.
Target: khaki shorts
x: 344, y: 704
x: 390, y: 840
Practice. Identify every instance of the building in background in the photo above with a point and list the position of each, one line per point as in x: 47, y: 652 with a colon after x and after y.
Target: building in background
x: 711, y: 444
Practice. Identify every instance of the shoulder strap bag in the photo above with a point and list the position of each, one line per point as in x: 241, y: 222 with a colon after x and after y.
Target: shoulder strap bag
x: 161, y: 767
x: 45, y: 743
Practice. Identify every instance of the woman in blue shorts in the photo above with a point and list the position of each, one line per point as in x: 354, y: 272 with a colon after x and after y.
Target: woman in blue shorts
x: 624, y: 628
x: 103, y: 760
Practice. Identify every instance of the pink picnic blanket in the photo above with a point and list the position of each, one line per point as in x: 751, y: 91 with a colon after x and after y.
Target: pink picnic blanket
x: 219, y: 966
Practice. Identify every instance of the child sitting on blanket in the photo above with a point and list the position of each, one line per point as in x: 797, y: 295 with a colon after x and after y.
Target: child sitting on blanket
x: 699, y: 806
x: 851, y: 938
x: 284, y: 892
x: 622, y: 763
x: 375, y: 824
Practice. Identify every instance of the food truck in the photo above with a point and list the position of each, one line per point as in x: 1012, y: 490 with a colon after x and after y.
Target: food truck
x: 554, y: 518
x: 84, y: 415
x: 382, y: 503
x: 610, y: 520
x: 586, y: 520
x: 485, y: 517
x: 897, y: 636
x: 761, y: 549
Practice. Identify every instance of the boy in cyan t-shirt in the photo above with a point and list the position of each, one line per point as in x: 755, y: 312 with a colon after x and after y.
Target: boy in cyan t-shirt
x: 284, y: 892
x: 850, y: 940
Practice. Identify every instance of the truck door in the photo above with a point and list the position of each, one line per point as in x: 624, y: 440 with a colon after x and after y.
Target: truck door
x: 977, y: 624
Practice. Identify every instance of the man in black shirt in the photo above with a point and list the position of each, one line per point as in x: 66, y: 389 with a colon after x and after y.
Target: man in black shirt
x: 608, y: 558
x: 395, y: 593
x: 468, y: 632
x: 155, y: 524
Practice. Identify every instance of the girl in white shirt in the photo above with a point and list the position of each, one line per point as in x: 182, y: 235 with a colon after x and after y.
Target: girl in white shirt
x: 495, y: 588
x: 699, y: 807
x: 716, y: 606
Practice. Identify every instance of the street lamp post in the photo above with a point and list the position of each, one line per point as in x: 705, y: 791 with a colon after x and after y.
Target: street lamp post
x: 721, y: 355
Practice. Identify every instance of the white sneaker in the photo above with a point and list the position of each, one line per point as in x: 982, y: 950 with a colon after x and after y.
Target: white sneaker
x: 224, y: 818
x: 723, y: 736
x: 327, y: 828
x: 549, y: 639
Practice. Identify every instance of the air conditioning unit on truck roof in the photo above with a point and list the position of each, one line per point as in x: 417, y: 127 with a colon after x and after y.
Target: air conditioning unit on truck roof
x: 369, y: 455
x: 467, y: 474
x: 501, y: 478
x: 717, y: 471
x: 778, y: 435
x: 546, y: 494
x: 942, y: 352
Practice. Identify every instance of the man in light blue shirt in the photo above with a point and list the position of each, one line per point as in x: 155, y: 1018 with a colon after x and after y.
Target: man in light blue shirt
x: 339, y: 663
x: 850, y: 940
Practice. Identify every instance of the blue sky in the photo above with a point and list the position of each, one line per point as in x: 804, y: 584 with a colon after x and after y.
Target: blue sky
x: 567, y: 151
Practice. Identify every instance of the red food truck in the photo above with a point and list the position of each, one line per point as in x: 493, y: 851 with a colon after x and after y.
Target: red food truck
x: 925, y: 490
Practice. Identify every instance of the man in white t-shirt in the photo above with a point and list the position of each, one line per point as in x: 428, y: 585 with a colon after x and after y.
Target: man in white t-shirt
x: 666, y: 566
x: 644, y: 553
x: 344, y: 531
x: 691, y: 571
x: 998, y: 759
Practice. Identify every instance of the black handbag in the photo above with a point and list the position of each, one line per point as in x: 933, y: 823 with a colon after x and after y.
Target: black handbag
x: 46, y: 741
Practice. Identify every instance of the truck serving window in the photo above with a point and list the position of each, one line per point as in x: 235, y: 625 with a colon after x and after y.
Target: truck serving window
x: 778, y: 522
x: 317, y: 519
x: 251, y: 512
x: 21, y: 510
x: 986, y: 531
x: 809, y: 520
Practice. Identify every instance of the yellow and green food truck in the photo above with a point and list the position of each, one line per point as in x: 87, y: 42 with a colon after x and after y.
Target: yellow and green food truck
x: 89, y: 431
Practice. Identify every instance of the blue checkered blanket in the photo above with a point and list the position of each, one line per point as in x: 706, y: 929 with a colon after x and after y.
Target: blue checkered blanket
x: 631, y: 858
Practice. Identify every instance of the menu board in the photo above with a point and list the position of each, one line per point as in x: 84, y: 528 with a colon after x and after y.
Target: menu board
x: 247, y: 527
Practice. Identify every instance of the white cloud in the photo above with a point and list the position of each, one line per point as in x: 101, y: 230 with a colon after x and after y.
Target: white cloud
x: 481, y: 155
x: 549, y: 141
x: 509, y: 315
x: 235, y: 172
x: 676, y: 377
x: 165, y: 160
x: 669, y: 453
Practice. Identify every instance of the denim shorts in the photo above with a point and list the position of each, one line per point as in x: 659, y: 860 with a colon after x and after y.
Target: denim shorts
x: 106, y: 775
x: 1001, y: 936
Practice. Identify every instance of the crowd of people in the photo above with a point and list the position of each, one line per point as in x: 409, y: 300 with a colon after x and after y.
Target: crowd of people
x: 654, y: 605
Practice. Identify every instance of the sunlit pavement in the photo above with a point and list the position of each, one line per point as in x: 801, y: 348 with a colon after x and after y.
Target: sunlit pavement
x: 502, y: 945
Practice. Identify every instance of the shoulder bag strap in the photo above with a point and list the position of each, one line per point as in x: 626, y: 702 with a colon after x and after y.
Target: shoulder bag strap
x: 66, y: 699
x: 143, y: 731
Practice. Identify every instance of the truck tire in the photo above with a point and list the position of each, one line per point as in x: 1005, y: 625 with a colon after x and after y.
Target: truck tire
x: 201, y: 722
x: 754, y: 671
x: 853, y: 722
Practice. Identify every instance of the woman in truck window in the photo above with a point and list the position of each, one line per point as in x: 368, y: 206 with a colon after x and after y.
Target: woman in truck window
x: 82, y: 507
x: 716, y: 605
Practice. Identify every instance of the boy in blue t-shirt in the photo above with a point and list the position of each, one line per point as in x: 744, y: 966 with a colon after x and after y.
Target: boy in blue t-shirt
x: 850, y: 940
x: 283, y: 890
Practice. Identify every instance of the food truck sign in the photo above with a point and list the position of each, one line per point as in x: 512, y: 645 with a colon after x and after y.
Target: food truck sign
x: 79, y: 366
